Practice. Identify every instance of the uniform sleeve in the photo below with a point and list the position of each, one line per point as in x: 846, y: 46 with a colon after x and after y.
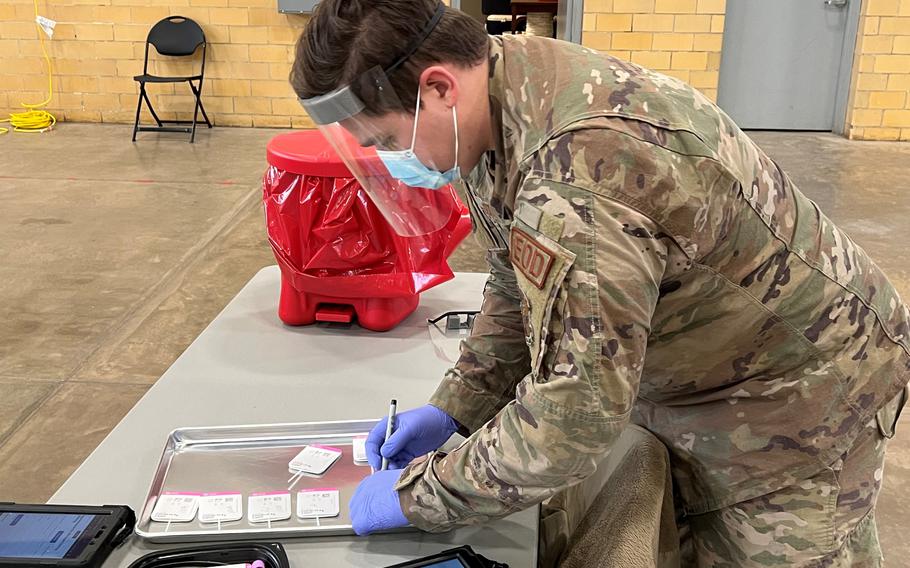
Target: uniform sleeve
x: 495, y: 356
x: 576, y: 400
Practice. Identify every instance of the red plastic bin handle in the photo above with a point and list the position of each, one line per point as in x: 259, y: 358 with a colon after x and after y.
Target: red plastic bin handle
x: 335, y: 314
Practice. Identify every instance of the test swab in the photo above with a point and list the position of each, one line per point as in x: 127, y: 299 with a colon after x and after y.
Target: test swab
x: 168, y: 527
x: 295, y: 482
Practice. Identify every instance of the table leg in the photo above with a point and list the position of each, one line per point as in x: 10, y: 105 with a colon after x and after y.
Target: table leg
x: 514, y: 20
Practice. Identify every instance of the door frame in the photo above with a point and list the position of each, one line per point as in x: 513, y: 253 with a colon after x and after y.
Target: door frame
x: 569, y: 23
x: 849, y: 61
x: 569, y: 19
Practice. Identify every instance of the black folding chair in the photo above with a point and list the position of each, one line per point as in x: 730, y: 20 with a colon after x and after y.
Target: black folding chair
x: 173, y: 36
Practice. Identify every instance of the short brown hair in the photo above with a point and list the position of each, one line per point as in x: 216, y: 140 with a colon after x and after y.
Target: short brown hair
x: 345, y: 38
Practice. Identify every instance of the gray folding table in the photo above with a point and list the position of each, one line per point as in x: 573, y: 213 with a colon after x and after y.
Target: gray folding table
x: 248, y: 368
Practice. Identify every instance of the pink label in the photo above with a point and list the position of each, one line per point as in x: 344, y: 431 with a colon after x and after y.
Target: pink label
x: 221, y: 493
x: 329, y: 448
x: 269, y: 493
x: 318, y: 490
x: 180, y: 493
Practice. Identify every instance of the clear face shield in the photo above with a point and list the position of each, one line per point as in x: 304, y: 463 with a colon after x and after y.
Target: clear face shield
x: 414, y: 196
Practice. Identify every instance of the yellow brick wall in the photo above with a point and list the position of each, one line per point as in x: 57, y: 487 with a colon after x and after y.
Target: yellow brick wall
x: 681, y: 38
x: 98, y: 47
x: 880, y: 105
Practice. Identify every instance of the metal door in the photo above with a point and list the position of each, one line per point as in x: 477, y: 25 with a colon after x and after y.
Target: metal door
x: 786, y: 64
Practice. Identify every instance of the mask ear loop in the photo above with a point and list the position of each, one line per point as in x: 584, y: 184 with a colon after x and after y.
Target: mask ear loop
x: 455, y: 119
x: 416, y: 118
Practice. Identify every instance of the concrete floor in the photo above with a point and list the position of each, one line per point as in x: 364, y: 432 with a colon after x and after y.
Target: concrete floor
x: 114, y: 256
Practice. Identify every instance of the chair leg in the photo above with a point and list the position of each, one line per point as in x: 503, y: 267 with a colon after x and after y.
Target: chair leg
x: 151, y: 108
x: 198, y: 94
x: 138, y: 110
x: 195, y: 113
x: 204, y: 116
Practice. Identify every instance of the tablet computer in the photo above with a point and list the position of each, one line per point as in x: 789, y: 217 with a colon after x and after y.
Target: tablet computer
x: 461, y: 557
x: 61, y: 535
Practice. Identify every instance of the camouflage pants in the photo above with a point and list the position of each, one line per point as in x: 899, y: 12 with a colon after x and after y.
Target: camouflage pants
x: 825, y: 521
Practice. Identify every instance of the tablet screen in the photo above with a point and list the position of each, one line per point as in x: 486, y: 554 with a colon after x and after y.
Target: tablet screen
x: 44, y: 535
x: 451, y: 563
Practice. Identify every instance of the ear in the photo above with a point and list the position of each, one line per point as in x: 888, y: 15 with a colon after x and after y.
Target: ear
x: 438, y: 83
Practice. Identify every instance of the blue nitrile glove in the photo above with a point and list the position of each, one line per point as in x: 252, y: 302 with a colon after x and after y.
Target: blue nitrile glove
x: 415, y: 433
x: 375, y: 506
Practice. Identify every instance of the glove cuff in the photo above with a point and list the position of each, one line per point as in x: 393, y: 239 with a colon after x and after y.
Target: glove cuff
x: 396, y: 515
x: 449, y: 422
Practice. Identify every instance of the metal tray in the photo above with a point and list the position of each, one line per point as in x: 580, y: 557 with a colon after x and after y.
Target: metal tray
x: 252, y: 459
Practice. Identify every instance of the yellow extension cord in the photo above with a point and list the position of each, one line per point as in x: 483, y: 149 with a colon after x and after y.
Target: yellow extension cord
x: 35, y: 119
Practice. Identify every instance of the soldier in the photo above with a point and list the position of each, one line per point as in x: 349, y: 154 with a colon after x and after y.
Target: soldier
x: 649, y: 264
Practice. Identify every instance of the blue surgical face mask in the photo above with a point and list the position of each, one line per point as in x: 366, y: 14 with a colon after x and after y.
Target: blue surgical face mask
x: 403, y: 165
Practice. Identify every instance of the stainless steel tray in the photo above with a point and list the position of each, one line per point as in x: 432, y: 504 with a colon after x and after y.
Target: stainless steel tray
x: 252, y: 459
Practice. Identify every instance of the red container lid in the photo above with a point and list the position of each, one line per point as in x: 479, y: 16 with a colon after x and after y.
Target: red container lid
x: 307, y: 153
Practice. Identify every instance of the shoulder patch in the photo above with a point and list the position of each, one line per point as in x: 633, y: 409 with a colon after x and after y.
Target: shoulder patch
x: 530, y: 257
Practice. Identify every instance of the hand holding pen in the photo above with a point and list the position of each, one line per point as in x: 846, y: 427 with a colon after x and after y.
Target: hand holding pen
x: 394, y: 443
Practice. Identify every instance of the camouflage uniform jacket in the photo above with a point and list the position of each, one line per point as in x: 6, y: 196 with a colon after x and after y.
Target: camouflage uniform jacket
x: 649, y: 263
